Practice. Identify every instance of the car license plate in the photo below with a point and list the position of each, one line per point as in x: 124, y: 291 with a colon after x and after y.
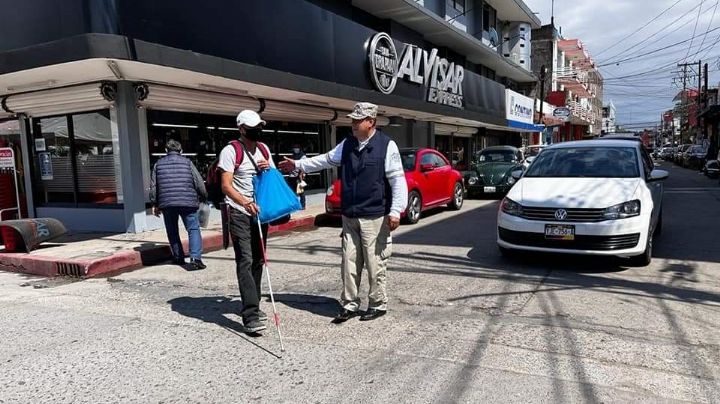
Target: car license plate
x: 559, y: 232
x: 489, y: 190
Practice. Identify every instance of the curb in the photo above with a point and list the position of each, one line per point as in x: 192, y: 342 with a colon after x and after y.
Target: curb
x: 121, y: 261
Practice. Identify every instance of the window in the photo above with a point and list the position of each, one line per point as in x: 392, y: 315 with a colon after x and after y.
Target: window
x: 459, y: 5
x: 438, y: 161
x: 427, y: 158
x: 76, y: 160
x: 592, y: 162
x: 203, y: 137
x: 489, y: 17
x: 10, y: 137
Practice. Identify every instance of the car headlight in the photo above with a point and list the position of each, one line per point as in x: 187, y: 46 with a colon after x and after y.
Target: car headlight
x: 329, y: 191
x: 623, y: 210
x: 511, y: 207
x: 472, y: 180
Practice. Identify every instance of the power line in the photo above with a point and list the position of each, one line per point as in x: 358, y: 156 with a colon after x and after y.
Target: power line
x: 708, y: 28
x: 655, y: 33
x: 692, y: 38
x: 639, y: 29
x: 657, y: 50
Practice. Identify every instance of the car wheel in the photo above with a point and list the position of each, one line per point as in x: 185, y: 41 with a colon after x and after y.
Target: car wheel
x: 645, y: 258
x: 412, y: 214
x: 458, y: 197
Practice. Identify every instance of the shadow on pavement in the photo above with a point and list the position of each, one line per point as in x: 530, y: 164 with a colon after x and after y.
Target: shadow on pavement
x: 213, y: 309
x: 318, y: 305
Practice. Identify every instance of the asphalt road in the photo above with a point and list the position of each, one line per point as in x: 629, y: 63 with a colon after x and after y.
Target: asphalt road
x: 464, y: 325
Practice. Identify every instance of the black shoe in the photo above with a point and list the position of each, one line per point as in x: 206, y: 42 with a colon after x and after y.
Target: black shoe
x: 262, y: 316
x: 254, y: 326
x: 344, y: 316
x: 372, y: 314
x: 179, y: 261
x: 197, y: 264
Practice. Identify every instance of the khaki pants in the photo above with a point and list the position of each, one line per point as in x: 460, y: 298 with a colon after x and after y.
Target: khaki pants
x: 366, y: 243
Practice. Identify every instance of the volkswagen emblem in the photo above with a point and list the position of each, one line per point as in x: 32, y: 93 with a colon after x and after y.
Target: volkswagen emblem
x: 561, y: 214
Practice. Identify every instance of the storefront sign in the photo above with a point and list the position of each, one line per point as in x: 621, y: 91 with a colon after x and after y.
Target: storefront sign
x: 40, y: 144
x: 46, y: 169
x: 519, y: 108
x: 562, y: 112
x: 442, y: 79
x: 7, y: 158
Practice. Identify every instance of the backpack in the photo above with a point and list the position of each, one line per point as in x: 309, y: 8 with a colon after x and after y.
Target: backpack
x: 214, y: 176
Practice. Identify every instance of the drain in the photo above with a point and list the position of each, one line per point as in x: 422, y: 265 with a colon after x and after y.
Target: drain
x: 70, y: 269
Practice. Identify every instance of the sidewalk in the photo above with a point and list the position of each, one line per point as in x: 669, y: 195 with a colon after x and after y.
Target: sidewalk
x: 95, y: 254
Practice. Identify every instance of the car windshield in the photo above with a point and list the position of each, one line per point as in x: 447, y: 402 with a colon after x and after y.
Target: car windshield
x: 408, y: 161
x: 492, y: 156
x: 595, y: 162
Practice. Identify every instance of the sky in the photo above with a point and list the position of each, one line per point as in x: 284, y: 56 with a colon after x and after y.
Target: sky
x: 637, y: 30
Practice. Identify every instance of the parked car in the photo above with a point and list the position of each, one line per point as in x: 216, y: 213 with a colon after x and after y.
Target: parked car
x: 432, y: 182
x: 678, y: 157
x: 530, y: 152
x: 491, y: 169
x: 694, y: 157
x: 593, y: 197
x: 667, y: 153
x: 712, y: 168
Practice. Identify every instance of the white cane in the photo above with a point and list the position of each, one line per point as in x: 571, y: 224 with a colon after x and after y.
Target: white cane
x: 276, y: 316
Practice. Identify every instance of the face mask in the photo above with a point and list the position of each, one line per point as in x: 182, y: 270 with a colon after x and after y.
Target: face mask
x: 253, y: 134
x: 296, y: 151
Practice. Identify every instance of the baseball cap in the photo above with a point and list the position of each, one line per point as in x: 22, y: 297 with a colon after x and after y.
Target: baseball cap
x: 363, y: 110
x: 249, y: 118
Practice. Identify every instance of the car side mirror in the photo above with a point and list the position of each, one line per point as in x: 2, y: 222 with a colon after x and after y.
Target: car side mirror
x: 658, y: 175
x: 426, y: 167
x: 517, y: 174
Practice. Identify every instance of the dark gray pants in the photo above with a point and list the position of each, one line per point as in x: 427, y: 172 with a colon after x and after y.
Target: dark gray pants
x: 248, y: 261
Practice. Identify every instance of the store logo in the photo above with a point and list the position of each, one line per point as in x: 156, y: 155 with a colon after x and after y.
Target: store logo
x: 383, y: 63
x: 443, y: 79
x: 519, y: 110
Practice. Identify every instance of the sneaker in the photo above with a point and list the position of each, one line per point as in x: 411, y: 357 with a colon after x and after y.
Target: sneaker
x: 179, y: 261
x: 262, y: 316
x: 254, y: 326
x: 197, y: 264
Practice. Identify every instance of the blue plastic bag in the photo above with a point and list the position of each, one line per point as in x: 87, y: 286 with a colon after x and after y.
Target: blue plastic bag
x: 274, y: 196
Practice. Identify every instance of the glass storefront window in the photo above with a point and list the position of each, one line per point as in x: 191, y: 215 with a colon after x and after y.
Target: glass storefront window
x: 10, y: 137
x: 76, y: 160
x: 203, y: 137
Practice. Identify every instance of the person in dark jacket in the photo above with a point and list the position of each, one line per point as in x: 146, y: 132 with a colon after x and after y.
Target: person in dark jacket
x: 374, y: 194
x: 176, y: 191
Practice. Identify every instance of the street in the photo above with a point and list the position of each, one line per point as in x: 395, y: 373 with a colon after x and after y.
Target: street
x: 464, y: 324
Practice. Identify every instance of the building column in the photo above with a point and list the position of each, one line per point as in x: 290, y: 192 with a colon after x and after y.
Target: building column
x: 27, y: 151
x: 125, y: 120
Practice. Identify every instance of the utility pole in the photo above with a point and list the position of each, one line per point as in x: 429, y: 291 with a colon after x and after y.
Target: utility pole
x: 543, y: 73
x: 699, y: 102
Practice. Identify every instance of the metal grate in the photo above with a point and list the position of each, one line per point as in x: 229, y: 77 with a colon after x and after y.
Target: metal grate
x: 573, y: 215
x: 581, y: 242
x: 70, y: 269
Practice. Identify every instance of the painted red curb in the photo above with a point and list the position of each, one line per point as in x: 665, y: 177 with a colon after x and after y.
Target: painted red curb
x: 121, y: 261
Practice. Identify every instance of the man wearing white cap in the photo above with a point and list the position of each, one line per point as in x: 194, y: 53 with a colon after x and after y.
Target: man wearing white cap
x: 374, y: 192
x: 240, y: 161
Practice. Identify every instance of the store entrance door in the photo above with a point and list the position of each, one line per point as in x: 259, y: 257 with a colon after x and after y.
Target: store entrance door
x: 10, y: 138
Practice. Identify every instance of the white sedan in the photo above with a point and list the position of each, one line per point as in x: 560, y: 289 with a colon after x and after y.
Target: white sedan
x: 592, y: 197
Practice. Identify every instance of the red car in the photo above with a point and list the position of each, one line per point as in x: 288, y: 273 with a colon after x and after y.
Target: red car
x: 431, y: 182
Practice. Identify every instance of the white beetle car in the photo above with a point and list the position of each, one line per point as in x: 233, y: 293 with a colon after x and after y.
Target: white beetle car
x: 593, y: 197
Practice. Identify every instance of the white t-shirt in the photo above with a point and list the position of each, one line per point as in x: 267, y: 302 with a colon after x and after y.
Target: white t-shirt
x: 242, y: 178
